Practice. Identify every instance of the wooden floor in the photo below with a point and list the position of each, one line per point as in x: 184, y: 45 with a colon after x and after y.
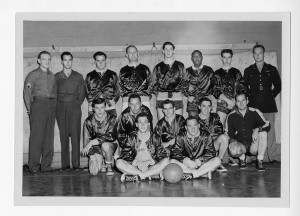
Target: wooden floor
x: 234, y: 183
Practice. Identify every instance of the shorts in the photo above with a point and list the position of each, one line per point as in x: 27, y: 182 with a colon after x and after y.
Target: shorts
x: 96, y: 149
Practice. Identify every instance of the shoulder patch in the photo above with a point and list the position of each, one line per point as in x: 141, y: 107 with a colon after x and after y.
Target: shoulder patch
x: 28, y: 85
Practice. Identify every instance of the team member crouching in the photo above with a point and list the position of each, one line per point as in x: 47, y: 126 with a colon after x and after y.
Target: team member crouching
x: 211, y: 123
x: 247, y: 129
x: 142, y: 156
x: 99, y: 137
x: 194, y: 151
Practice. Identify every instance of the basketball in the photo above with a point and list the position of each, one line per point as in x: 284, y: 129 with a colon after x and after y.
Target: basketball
x: 172, y: 173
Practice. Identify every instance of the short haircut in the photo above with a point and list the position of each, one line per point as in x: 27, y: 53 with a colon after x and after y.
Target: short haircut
x: 130, y: 47
x: 99, y: 53
x: 258, y: 46
x: 142, y: 114
x: 191, y: 118
x: 43, y: 52
x: 196, y: 51
x: 98, y: 101
x: 167, y: 102
x: 168, y: 43
x: 67, y: 54
x: 226, y: 51
x: 204, y: 99
x: 240, y: 93
x: 134, y: 96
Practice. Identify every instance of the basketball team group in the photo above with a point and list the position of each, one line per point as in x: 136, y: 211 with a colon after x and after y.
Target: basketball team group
x: 241, y: 125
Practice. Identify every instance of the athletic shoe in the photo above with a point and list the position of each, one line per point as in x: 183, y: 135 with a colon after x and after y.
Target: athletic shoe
x: 109, y: 170
x: 221, y: 168
x: 156, y: 177
x: 207, y: 175
x: 65, y: 168
x: 187, y: 176
x: 130, y: 178
x: 243, y: 163
x: 231, y: 162
x: 259, y: 166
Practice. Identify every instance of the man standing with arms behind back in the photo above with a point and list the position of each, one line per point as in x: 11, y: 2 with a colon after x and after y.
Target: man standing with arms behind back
x: 263, y: 84
x: 40, y: 101
x: 70, y: 95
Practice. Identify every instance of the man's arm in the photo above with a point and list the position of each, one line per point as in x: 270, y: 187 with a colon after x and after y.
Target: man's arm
x: 246, y: 81
x: 27, y: 91
x: 262, y: 123
x: 276, y: 82
x: 217, y: 126
x: 177, y: 151
x: 110, y: 134
x: 121, y: 131
x: 81, y: 89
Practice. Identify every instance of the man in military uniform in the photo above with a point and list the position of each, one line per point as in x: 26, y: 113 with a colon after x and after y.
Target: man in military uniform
x: 70, y: 95
x: 40, y: 101
x: 263, y: 84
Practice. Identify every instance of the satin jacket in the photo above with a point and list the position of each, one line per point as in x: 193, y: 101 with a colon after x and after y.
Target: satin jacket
x: 126, y: 124
x: 166, y: 132
x: 135, y: 80
x: 201, y: 148
x: 228, y: 83
x: 129, y: 150
x: 259, y: 86
x: 213, y: 126
x: 168, y: 79
x: 102, y: 131
x: 105, y: 86
x: 200, y: 83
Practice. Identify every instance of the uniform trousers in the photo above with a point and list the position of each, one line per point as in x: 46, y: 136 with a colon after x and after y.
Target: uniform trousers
x: 68, y: 116
x: 41, y: 140
x: 271, y: 147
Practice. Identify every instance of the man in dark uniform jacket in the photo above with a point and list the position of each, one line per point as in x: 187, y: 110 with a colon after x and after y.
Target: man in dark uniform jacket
x: 263, y: 84
x: 102, y: 83
x: 194, y: 151
x: 126, y: 122
x: 40, y: 100
x: 135, y: 78
x: 200, y: 83
x: 70, y: 95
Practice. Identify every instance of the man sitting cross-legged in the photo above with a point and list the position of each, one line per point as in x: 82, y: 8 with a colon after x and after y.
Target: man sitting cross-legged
x: 194, y: 151
x: 99, y: 137
x: 142, y: 156
x: 211, y: 123
x: 247, y: 129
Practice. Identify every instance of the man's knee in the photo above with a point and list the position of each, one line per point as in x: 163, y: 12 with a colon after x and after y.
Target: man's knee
x: 236, y: 149
x: 174, y: 161
x: 120, y: 163
x: 107, y: 147
x: 224, y: 139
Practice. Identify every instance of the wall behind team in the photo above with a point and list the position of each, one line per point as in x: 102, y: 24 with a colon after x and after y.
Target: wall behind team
x: 241, y: 60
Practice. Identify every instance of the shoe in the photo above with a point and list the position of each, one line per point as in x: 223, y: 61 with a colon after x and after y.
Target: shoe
x: 157, y: 177
x: 243, y: 163
x: 103, y: 168
x: 130, y: 178
x: 207, y: 175
x: 75, y: 168
x: 34, y: 172
x: 231, y: 162
x: 65, y: 168
x: 48, y: 170
x: 221, y: 168
x: 274, y: 162
x: 187, y: 176
x: 259, y: 166
x: 109, y: 170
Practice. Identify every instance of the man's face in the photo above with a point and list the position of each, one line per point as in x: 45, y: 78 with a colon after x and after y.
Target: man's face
x: 100, y: 62
x: 226, y: 59
x: 258, y: 54
x: 132, y: 54
x: 44, y: 61
x: 135, y: 105
x: 205, y: 108
x: 99, y: 110
x: 143, y: 124
x: 192, y: 127
x: 169, y: 110
x: 197, y: 59
x: 67, y: 62
x: 241, y: 102
x: 168, y: 51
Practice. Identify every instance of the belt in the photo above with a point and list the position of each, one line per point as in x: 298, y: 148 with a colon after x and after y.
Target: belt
x: 43, y: 98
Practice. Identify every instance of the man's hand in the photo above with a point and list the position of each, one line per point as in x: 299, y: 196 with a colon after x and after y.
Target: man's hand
x: 230, y: 102
x: 86, y: 148
x: 191, y: 98
x: 189, y: 163
x: 255, y: 134
x: 171, y: 142
x: 143, y: 166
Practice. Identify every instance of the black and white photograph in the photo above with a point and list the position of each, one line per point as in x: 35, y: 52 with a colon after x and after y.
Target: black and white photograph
x: 144, y: 106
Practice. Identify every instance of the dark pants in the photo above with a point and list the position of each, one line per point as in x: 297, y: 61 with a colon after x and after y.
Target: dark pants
x: 41, y: 141
x: 68, y: 116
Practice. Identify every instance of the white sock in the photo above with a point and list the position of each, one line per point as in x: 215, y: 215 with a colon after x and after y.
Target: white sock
x: 260, y: 157
x: 243, y: 157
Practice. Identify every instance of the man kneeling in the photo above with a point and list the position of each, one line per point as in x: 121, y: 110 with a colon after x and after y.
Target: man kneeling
x: 142, y: 156
x: 99, y: 137
x: 194, y: 151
